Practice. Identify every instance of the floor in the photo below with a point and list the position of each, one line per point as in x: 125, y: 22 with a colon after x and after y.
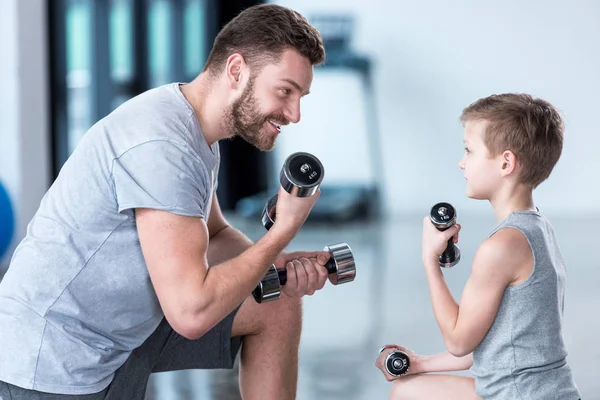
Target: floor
x: 344, y: 326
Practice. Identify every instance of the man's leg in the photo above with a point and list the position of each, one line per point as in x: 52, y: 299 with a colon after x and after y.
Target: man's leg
x: 271, y: 337
x: 12, y: 392
x: 434, y: 387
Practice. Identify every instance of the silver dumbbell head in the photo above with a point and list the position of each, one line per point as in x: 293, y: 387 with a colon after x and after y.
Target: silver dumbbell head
x: 269, y: 288
x: 301, y: 175
x: 268, y: 214
x: 343, y: 259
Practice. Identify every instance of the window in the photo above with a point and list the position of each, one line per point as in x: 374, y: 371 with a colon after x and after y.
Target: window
x: 104, y: 52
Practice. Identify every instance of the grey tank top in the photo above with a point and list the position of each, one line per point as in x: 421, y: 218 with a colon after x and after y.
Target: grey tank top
x: 523, y: 355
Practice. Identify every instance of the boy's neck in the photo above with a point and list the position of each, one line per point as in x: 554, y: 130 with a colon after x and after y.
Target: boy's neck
x: 517, y: 199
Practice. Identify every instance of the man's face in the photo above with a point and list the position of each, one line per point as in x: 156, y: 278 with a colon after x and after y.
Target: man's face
x: 270, y: 100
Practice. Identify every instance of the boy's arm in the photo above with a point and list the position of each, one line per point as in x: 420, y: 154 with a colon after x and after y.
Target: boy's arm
x: 441, y: 362
x: 444, y: 362
x: 497, y: 263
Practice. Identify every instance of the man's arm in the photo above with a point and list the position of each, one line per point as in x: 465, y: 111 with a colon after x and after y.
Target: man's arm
x: 497, y: 263
x: 194, y: 298
x: 225, y: 241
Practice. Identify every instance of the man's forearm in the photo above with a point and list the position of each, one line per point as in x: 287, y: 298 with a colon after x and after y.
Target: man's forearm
x: 227, y: 283
x: 228, y: 243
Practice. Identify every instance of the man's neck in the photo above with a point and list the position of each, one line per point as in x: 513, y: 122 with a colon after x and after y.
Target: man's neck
x: 208, y: 105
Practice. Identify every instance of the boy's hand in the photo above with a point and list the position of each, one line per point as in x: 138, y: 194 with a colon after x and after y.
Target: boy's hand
x: 415, y: 361
x: 434, y: 242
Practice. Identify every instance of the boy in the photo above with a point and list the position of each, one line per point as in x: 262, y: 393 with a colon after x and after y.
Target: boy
x: 508, y: 326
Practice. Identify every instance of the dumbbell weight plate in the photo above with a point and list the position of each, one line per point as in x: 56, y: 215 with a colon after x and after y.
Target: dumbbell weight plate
x: 301, y: 175
x: 269, y: 288
x: 341, y: 266
x: 268, y: 214
x: 443, y: 215
x: 397, y: 363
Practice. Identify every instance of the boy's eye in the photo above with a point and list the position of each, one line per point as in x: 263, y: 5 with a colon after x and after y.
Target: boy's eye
x: 286, y: 91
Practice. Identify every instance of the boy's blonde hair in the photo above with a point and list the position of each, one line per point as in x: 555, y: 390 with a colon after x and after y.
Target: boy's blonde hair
x: 530, y: 127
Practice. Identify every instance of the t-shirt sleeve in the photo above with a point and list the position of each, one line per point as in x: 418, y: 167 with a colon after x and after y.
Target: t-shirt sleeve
x: 162, y: 175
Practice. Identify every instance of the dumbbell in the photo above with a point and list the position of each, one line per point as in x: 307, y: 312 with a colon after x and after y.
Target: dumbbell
x: 397, y: 363
x: 340, y: 266
x: 301, y: 176
x: 443, y: 216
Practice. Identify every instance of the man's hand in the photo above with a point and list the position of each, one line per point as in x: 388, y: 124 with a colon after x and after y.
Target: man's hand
x: 306, y: 272
x: 291, y: 211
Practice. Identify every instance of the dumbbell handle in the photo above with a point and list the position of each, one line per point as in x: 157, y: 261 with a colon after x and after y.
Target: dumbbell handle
x: 449, y: 246
x: 330, y: 266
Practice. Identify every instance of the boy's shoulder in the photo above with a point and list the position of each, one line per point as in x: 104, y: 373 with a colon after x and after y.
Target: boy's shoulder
x: 507, y: 249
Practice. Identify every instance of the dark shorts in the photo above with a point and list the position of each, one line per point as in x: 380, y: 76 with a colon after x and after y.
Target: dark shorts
x: 165, y: 350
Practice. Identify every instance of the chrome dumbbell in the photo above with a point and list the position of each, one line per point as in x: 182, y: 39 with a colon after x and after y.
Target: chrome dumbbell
x: 443, y: 216
x: 397, y: 363
x: 301, y: 176
x: 340, y: 266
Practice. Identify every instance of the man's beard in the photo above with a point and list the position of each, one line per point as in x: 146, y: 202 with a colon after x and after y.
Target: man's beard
x: 244, y: 120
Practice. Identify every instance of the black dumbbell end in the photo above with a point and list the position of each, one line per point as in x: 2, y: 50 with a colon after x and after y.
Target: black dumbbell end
x: 450, y: 257
x: 397, y: 363
x: 443, y: 215
x: 341, y: 266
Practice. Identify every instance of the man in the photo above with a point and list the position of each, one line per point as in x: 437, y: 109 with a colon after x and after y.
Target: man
x: 112, y: 281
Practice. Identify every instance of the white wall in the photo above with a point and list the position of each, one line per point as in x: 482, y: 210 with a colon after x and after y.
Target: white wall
x: 24, y: 129
x: 433, y: 58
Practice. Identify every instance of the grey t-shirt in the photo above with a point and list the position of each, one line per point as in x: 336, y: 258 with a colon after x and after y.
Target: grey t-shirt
x: 77, y: 297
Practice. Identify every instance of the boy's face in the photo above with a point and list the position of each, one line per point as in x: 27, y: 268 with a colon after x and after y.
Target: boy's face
x: 482, y: 173
x: 271, y: 99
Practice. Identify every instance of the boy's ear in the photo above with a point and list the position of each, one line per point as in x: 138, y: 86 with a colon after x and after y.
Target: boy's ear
x: 509, y: 163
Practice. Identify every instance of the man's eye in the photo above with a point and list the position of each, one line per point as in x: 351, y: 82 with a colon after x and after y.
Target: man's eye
x: 286, y: 91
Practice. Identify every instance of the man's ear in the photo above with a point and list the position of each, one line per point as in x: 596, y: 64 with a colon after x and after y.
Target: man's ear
x: 235, y: 71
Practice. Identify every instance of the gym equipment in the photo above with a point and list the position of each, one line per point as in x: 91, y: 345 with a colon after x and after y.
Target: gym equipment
x: 340, y: 266
x: 397, y: 363
x: 301, y: 175
x: 7, y: 222
x: 443, y: 216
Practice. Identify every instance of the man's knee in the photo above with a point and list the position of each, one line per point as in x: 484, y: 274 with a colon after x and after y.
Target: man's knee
x: 285, y: 313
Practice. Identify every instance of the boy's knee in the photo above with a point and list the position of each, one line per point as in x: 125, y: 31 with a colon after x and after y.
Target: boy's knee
x: 402, y: 390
